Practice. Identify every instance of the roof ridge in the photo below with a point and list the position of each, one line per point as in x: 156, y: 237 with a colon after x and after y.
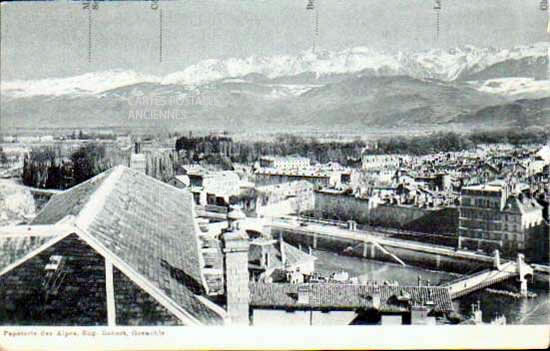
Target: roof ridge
x: 98, y: 197
x: 94, y: 178
x: 151, y: 178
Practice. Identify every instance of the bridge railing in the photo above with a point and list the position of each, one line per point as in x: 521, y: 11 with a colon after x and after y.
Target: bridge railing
x: 466, y: 277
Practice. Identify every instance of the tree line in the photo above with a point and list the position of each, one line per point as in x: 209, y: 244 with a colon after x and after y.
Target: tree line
x: 198, y: 148
x: 46, y: 168
x: 454, y: 142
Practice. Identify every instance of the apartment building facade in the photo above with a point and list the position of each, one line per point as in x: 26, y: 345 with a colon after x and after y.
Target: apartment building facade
x: 493, y: 216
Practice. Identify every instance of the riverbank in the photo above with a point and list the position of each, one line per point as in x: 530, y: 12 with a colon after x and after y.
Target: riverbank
x: 380, y: 247
x: 517, y: 311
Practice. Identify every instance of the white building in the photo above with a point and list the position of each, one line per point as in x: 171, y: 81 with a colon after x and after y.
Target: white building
x: 377, y: 162
x: 285, y: 198
x: 138, y: 162
x: 289, y: 162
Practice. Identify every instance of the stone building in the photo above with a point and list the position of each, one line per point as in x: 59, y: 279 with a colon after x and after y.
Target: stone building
x: 138, y: 160
x: 288, y: 162
x: 378, y: 162
x: 213, y: 187
x: 493, y: 215
x: 318, y: 177
x: 236, y: 270
x: 284, y: 198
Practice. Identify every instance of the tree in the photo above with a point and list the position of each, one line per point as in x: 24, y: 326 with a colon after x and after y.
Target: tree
x: 88, y: 161
x: 37, y: 168
x: 3, y: 157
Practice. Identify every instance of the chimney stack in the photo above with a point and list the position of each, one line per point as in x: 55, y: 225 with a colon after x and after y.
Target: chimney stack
x: 236, y: 277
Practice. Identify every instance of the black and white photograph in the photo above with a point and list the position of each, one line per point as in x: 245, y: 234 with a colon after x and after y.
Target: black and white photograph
x: 378, y: 165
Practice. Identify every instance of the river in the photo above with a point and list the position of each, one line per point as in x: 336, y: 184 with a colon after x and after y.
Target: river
x: 516, y: 311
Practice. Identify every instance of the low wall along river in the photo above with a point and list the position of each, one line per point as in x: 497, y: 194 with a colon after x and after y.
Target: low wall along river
x: 370, y: 251
x: 424, y: 256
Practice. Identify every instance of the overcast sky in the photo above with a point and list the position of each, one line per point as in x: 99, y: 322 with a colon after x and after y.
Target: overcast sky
x: 41, y: 40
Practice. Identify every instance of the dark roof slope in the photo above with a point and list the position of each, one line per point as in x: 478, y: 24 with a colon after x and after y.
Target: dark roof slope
x: 147, y: 224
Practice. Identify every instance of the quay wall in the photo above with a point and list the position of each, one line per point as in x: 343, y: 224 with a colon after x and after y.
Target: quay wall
x: 358, y: 248
x: 346, y: 207
x: 412, y: 257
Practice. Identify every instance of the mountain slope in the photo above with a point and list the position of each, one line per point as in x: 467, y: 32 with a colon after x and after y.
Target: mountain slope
x: 356, y: 102
x: 532, y: 66
x: 521, y: 113
x: 388, y: 102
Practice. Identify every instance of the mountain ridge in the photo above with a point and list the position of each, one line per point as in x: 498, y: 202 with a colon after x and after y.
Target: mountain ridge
x: 458, y: 64
x: 355, y: 88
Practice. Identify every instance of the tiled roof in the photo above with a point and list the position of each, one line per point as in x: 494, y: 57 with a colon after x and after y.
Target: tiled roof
x: 345, y: 296
x: 147, y: 224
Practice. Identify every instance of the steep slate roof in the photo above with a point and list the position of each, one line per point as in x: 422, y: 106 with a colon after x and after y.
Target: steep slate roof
x: 147, y: 224
x: 344, y: 296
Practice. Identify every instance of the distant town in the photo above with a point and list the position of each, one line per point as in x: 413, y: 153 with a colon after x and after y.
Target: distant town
x: 182, y: 228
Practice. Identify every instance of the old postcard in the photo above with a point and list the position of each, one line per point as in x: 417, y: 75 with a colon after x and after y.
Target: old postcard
x: 194, y: 174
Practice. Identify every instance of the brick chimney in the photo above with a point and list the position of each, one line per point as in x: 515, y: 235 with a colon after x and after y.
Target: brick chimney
x: 236, y: 276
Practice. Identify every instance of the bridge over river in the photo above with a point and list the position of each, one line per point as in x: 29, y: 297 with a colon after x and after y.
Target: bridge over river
x: 490, y: 276
x: 371, y: 240
x: 497, y: 271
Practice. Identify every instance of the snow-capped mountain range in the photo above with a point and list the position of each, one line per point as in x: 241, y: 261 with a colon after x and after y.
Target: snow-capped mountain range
x: 461, y: 64
x: 351, y: 90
